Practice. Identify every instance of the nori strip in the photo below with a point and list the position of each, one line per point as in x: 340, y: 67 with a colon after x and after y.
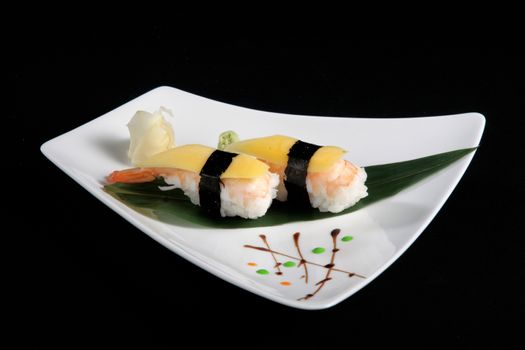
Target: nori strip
x: 209, y: 185
x: 296, y: 170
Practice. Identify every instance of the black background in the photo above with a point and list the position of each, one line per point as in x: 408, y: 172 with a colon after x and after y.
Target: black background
x: 84, y: 273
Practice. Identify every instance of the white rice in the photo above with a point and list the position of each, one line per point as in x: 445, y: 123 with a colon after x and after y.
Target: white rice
x: 247, y: 198
x: 342, y: 198
x: 251, y: 198
x: 188, y: 182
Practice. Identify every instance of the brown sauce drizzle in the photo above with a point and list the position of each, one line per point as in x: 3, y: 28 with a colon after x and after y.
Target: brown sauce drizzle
x: 277, y: 263
x: 329, y: 266
x: 301, y: 261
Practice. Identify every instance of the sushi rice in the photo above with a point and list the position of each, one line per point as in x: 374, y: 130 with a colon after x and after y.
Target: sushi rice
x: 247, y: 198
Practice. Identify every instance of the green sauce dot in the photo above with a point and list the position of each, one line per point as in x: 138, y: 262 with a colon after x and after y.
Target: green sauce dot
x: 318, y: 250
x: 289, y: 264
x: 262, y: 272
x: 347, y: 238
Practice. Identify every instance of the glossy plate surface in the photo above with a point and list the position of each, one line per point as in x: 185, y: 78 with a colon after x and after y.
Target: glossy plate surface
x: 369, y: 239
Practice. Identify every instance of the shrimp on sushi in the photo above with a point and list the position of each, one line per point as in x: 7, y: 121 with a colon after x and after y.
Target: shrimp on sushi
x: 222, y: 183
x: 310, y: 175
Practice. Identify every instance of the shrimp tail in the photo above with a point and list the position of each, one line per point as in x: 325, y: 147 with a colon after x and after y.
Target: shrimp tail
x: 129, y: 176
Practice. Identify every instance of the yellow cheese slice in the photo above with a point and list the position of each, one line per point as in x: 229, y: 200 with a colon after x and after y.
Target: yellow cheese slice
x: 245, y: 167
x: 325, y: 158
x: 193, y: 157
x: 274, y: 149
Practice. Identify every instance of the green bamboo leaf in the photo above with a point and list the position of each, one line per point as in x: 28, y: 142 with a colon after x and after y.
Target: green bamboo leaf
x: 173, y: 207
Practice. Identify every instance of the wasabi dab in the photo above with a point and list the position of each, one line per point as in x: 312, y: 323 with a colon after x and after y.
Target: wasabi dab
x: 227, y: 138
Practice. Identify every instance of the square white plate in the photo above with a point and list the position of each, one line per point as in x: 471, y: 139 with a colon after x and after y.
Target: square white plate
x: 380, y: 232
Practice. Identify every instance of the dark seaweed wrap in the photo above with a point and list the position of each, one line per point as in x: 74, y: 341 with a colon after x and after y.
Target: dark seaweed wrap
x: 296, y: 170
x: 209, y: 185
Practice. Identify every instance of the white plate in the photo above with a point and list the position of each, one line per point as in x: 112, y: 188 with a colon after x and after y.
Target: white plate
x: 381, y: 232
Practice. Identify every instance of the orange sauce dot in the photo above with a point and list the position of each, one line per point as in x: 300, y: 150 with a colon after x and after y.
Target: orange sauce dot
x: 285, y: 283
x: 252, y: 264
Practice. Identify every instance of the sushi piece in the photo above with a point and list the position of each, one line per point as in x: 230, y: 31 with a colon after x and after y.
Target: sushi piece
x: 222, y: 183
x: 310, y: 175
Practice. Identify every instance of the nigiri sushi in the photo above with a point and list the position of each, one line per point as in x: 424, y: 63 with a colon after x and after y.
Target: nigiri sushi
x: 309, y: 174
x: 222, y: 183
